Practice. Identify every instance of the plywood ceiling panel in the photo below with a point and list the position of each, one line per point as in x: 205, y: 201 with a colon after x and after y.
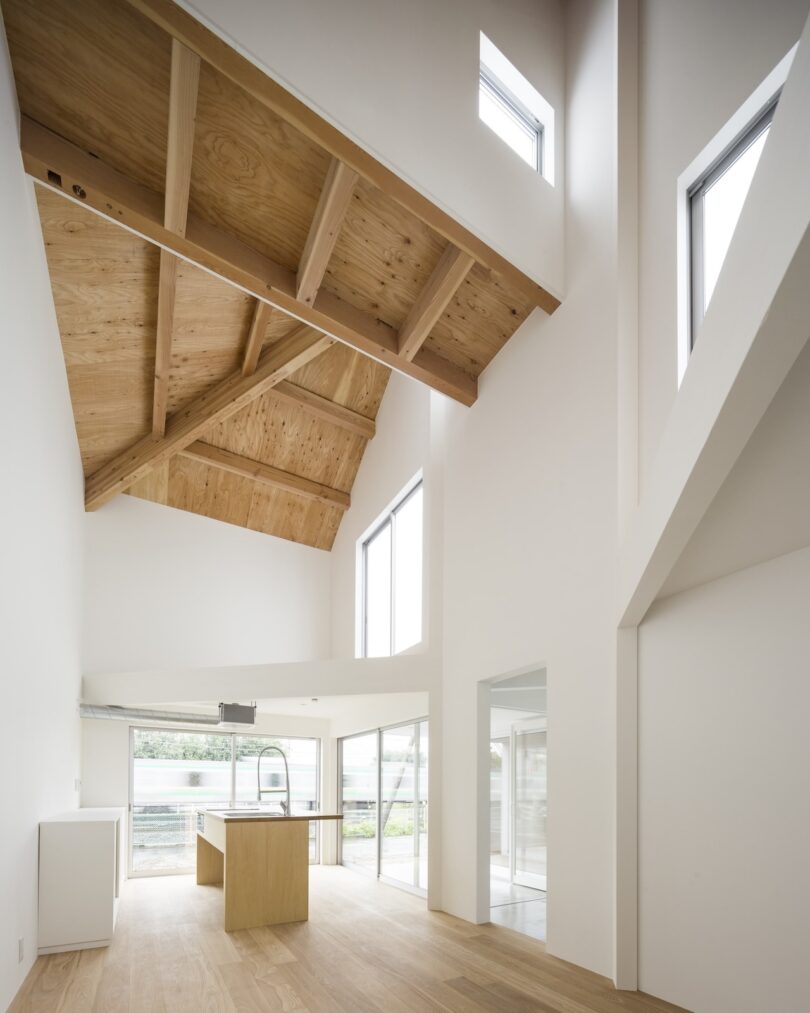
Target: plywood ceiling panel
x: 288, y: 221
x: 481, y: 317
x: 211, y: 321
x: 383, y: 257
x: 97, y: 72
x: 104, y: 283
x: 253, y: 175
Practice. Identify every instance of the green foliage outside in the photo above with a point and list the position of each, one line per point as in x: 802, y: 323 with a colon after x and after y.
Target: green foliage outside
x: 171, y: 745
x: 395, y: 827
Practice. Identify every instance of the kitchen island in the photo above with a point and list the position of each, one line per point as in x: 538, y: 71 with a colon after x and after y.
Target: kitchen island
x: 262, y: 860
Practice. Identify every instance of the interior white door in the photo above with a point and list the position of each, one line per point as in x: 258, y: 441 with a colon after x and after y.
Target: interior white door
x: 529, y: 797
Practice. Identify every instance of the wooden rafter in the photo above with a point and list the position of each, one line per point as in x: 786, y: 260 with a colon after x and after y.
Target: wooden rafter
x: 264, y: 474
x: 185, y: 76
x: 323, y: 233
x: 262, y: 312
x: 68, y: 169
x: 449, y: 273
x: 325, y: 409
x: 187, y: 425
x: 182, y: 26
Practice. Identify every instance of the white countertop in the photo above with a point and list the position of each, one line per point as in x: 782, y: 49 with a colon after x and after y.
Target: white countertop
x: 264, y: 815
x: 100, y: 814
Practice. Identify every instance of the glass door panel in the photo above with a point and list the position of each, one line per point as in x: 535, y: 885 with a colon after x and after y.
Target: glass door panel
x: 173, y: 774
x: 358, y: 792
x: 422, y: 802
x: 399, y: 852
x: 529, y: 810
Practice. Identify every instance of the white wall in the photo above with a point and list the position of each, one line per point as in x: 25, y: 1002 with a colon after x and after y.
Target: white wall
x: 525, y: 488
x: 402, y: 80
x: 378, y: 712
x: 763, y: 508
x: 698, y: 63
x: 165, y: 588
x: 40, y: 549
x: 724, y: 788
x: 530, y: 534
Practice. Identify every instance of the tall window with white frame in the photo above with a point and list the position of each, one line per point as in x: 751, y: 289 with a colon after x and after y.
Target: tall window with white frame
x: 392, y: 580
x: 514, y: 110
x: 716, y: 201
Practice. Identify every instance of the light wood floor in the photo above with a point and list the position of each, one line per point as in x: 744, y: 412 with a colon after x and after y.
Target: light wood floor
x: 367, y: 948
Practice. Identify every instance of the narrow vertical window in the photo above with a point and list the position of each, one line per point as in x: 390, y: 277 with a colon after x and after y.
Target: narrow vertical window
x: 392, y: 580
x: 715, y: 203
x: 513, y: 108
x: 514, y: 125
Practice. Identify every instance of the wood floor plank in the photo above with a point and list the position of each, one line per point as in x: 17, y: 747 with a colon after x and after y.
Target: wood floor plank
x: 367, y: 948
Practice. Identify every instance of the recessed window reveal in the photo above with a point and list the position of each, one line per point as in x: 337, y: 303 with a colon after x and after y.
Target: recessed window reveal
x: 513, y: 108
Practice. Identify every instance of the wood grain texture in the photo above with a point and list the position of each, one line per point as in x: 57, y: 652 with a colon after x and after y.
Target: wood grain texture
x: 323, y: 232
x: 264, y: 474
x: 266, y: 873
x: 307, y: 419
x: 98, y: 72
x: 185, y: 75
x: 186, y: 425
x: 104, y: 283
x: 448, y: 274
x: 279, y: 212
x: 256, y: 336
x: 307, y: 123
x: 154, y: 486
x: 367, y: 947
x: 210, y: 866
x: 114, y: 195
x: 167, y: 289
x: 325, y: 409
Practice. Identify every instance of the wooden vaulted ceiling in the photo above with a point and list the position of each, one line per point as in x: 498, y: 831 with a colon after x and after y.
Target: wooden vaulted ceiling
x: 234, y: 279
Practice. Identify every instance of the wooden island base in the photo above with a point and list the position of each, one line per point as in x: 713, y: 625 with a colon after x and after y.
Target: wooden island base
x: 263, y: 864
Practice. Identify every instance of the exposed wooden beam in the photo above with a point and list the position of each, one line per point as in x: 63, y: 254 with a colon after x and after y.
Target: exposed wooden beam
x: 69, y: 170
x: 185, y: 78
x: 187, y: 425
x: 449, y: 273
x: 258, y: 328
x: 182, y: 26
x: 323, y: 232
x: 167, y: 288
x: 325, y: 409
x: 266, y: 475
x: 180, y: 147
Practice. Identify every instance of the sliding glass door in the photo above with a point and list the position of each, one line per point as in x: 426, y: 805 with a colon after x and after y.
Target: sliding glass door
x: 529, y: 808
x: 384, y: 800
x: 173, y: 773
x: 358, y: 791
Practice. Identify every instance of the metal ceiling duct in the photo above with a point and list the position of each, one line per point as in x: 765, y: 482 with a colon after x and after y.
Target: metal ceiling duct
x: 111, y: 712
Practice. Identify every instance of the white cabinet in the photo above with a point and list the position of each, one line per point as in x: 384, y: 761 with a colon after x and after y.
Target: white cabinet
x: 80, y: 874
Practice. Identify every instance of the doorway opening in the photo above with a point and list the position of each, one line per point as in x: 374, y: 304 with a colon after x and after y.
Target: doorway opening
x: 517, y: 803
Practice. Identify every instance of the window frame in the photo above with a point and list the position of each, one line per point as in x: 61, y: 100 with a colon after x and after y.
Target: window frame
x: 140, y: 726
x: 694, y: 196
x: 388, y: 518
x: 490, y: 83
x: 378, y: 733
